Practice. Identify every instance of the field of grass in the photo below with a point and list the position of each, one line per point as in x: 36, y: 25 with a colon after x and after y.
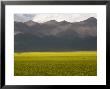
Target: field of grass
x: 83, y: 63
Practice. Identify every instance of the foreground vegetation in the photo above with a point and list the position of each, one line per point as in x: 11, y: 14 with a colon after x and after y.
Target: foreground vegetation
x: 55, y: 63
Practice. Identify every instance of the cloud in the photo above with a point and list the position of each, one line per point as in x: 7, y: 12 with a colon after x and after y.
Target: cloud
x: 43, y: 17
x: 23, y: 17
x: 60, y: 17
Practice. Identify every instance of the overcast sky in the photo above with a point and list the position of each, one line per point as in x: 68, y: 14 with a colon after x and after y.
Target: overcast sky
x: 58, y: 17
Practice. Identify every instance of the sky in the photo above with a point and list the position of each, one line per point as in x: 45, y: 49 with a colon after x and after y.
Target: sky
x: 44, y: 17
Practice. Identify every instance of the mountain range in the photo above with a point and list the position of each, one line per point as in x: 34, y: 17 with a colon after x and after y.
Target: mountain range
x: 55, y: 36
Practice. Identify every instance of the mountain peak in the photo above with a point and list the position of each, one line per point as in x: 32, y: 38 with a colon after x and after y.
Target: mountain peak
x: 92, y: 19
x: 30, y: 23
x: 64, y: 22
x: 51, y: 22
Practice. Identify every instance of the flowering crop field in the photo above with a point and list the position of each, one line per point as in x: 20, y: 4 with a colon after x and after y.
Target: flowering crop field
x: 79, y: 63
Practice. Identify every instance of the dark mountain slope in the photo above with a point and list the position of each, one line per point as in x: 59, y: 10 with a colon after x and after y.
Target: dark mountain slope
x: 56, y: 36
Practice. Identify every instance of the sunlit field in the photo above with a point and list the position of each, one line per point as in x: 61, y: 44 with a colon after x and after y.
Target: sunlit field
x: 83, y: 63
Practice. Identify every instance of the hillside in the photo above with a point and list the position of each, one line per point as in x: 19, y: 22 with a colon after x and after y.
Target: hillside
x: 55, y: 36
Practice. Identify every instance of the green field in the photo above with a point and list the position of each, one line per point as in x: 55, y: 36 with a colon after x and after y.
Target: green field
x: 83, y: 63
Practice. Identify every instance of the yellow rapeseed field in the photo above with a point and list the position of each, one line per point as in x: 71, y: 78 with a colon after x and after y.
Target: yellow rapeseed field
x: 78, y: 63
